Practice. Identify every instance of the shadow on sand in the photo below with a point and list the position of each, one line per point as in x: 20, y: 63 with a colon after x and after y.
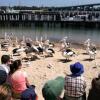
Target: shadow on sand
x: 47, y: 56
x: 89, y: 59
x: 84, y: 53
x: 30, y: 59
x: 64, y: 60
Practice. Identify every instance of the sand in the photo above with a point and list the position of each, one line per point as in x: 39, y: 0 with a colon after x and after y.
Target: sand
x: 44, y: 69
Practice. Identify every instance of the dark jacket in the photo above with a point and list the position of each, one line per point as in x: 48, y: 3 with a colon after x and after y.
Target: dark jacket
x: 94, y: 93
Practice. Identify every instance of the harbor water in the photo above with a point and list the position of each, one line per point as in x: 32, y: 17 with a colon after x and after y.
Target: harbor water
x: 75, y: 34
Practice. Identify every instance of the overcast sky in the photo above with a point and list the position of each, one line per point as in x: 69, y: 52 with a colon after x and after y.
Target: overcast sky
x: 46, y: 2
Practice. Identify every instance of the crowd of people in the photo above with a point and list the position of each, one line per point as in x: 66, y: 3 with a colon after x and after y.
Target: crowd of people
x: 14, y: 84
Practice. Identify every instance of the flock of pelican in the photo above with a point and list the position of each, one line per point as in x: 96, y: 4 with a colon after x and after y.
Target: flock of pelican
x: 27, y: 46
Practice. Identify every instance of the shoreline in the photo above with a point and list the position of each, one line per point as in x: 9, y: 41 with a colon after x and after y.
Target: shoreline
x: 77, y: 45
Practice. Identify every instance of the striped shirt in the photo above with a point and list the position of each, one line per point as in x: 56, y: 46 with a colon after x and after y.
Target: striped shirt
x: 74, y: 86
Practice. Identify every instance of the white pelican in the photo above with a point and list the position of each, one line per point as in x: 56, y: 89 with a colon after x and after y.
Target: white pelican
x: 49, y: 52
x: 18, y: 51
x: 87, y: 43
x: 92, y: 52
x: 68, y: 53
x: 5, y: 45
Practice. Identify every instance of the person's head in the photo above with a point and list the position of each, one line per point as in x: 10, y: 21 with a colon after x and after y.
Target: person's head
x: 77, y: 69
x: 15, y: 66
x: 5, y: 59
x: 53, y: 89
x: 5, y: 92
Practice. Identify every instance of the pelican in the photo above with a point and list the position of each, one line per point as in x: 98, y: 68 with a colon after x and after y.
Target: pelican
x: 65, y: 44
x: 90, y: 48
x: 87, y: 43
x: 92, y: 52
x: 48, y: 44
x: 68, y: 53
x: 36, y: 49
x: 64, y: 39
x: 31, y: 50
x: 18, y: 51
x: 15, y: 42
x: 4, y: 46
x: 49, y: 52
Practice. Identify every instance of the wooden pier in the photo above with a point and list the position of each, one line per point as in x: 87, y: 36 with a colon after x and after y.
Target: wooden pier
x: 85, y: 18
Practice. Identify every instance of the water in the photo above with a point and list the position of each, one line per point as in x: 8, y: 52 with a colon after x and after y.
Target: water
x: 55, y: 33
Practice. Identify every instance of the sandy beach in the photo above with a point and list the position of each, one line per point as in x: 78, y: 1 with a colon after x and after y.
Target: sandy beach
x: 44, y: 69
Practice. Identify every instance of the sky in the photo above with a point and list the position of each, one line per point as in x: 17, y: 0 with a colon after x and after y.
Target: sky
x: 46, y: 2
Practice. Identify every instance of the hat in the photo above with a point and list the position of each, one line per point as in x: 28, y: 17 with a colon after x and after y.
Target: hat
x: 53, y: 88
x: 29, y: 94
x: 3, y: 76
x: 77, y: 69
